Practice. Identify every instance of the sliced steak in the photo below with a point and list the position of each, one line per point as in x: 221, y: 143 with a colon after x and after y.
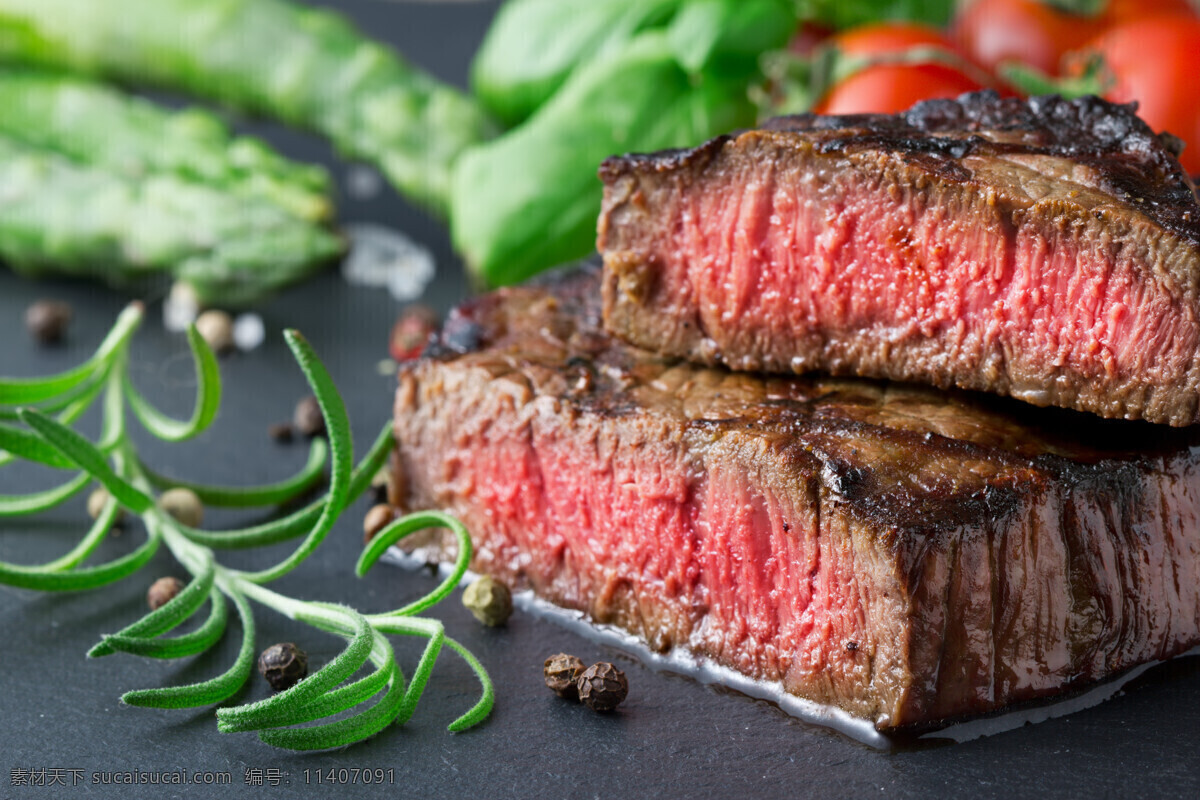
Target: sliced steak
x: 906, y: 554
x: 1043, y: 249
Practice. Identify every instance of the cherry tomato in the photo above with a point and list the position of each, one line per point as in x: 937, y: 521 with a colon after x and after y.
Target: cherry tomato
x: 891, y: 88
x: 1118, y: 12
x: 1154, y: 62
x: 995, y: 31
x: 887, y: 38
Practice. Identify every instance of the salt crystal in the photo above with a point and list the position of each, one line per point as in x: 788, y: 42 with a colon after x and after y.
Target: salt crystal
x: 380, y: 256
x: 181, y: 307
x: 248, y: 331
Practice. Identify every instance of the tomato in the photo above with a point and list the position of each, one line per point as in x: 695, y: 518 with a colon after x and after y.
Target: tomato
x: 887, y: 38
x: 1154, y: 62
x: 995, y: 31
x: 891, y: 88
x: 1118, y: 12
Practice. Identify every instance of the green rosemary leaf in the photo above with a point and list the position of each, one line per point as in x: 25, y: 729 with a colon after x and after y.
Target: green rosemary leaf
x: 208, y: 397
x: 31, y: 447
x: 90, y: 541
x: 187, y: 644
x: 406, y: 525
x: 344, y: 731
x: 18, y: 505
x: 478, y: 712
x: 352, y: 694
x: 84, y: 578
x: 88, y: 457
x: 416, y: 626
x: 250, y: 497
x: 24, y: 391
x: 211, y: 691
x: 295, y: 524
x: 72, y: 410
x: 421, y: 675
x: 265, y: 713
x: 348, y: 696
x: 298, y: 522
x: 337, y: 425
x: 89, y: 388
x: 169, y: 615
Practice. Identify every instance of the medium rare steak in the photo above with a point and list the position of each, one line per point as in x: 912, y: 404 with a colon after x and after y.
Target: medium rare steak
x: 906, y: 554
x: 1043, y: 249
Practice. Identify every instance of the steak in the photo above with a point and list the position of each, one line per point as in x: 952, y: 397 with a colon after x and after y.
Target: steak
x: 906, y: 554
x: 1044, y: 249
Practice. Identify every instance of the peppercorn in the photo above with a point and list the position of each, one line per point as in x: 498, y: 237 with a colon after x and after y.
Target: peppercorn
x: 489, y: 600
x: 380, y: 484
x: 561, y: 671
x: 377, y: 518
x: 162, y: 591
x: 283, y: 665
x: 216, y: 327
x: 47, y: 321
x: 602, y: 686
x: 281, y: 432
x: 411, y: 332
x: 183, y: 505
x: 96, y: 502
x: 308, y: 418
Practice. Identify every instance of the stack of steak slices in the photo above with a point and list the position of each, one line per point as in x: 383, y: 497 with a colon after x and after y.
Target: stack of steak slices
x: 909, y: 554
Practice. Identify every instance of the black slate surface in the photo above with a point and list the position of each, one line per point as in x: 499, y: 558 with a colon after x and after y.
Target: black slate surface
x: 59, y: 713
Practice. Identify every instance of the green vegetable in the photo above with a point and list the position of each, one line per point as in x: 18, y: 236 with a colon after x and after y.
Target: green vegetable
x: 306, y: 66
x: 533, y: 46
x: 114, y: 463
x: 60, y: 216
x: 529, y: 199
x: 106, y: 129
x: 847, y: 13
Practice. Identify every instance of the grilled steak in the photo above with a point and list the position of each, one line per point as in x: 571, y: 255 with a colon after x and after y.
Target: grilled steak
x: 906, y: 554
x: 1044, y: 249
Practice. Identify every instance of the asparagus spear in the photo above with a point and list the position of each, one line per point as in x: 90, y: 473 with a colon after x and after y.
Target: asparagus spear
x: 306, y: 66
x: 60, y: 216
x: 104, y: 128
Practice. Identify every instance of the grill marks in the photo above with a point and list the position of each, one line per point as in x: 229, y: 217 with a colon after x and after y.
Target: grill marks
x: 975, y: 551
x: 1046, y: 257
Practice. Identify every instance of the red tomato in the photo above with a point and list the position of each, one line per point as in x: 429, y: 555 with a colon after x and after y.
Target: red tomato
x: 890, y: 88
x: 1154, y: 62
x: 1029, y: 31
x: 890, y: 37
x: 1118, y: 12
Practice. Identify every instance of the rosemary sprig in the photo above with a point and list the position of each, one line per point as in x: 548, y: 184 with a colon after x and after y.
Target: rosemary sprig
x: 36, y: 418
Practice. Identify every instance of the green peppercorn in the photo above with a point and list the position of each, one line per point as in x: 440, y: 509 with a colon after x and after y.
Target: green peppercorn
x: 162, y: 591
x: 489, y: 600
x: 561, y: 671
x: 283, y: 665
x: 183, y: 505
x: 602, y: 686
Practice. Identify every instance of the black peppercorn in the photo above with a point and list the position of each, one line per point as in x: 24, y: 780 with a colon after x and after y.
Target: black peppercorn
x: 283, y: 665
x: 47, y: 321
x: 281, y: 432
x: 602, y: 687
x: 308, y: 418
x: 561, y: 671
x: 162, y: 591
